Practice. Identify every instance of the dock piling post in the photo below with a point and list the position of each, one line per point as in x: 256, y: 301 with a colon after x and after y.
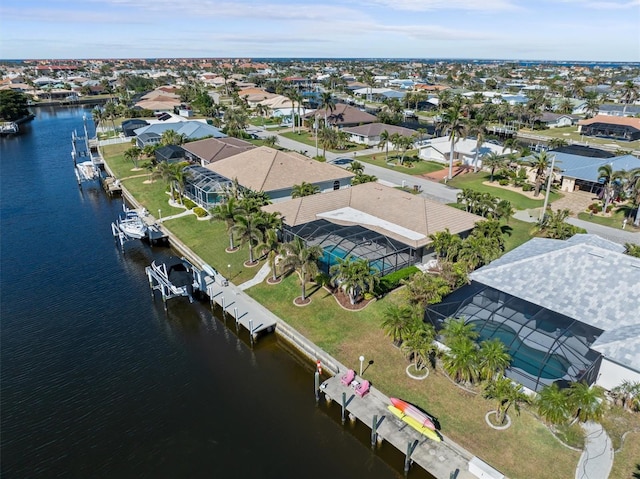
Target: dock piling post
x: 344, y: 406
x: 316, y: 380
x: 374, y: 430
x: 222, y: 304
x: 251, y: 330
x: 411, y: 446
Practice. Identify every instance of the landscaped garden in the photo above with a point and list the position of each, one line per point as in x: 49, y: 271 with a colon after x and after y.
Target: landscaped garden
x: 410, y: 164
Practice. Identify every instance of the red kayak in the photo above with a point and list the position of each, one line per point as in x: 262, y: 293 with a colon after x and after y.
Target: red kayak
x: 412, y: 411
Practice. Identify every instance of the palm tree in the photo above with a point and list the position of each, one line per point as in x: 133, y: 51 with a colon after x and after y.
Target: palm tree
x: 302, y: 259
x: 477, y: 128
x: 235, y: 122
x: 540, y: 164
x: 461, y: 361
x: 419, y: 344
x: 171, y: 137
x: 423, y: 289
x: 304, y: 189
x: 494, y: 359
x: 627, y: 394
x: 506, y: 394
x: 553, y: 404
x: 592, y: 107
x: 455, y: 123
x: 441, y: 242
x: 628, y: 94
x: 226, y: 212
x: 385, y: 138
x: 405, y: 143
x: 609, y: 180
x: 246, y: 229
x: 271, y: 247
x: 356, y: 168
x: 133, y: 154
x: 327, y: 103
x: 457, y: 330
x: 493, y: 161
x: 586, y: 401
x: 174, y: 175
x: 353, y: 276
x: 477, y: 250
x: 397, y: 321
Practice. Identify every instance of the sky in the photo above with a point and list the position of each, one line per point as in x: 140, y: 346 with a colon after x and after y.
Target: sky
x: 582, y: 30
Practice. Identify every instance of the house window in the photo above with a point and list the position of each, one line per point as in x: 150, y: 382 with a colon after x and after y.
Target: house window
x: 336, y: 185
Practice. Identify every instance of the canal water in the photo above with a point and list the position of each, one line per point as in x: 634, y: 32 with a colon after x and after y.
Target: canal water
x: 98, y: 381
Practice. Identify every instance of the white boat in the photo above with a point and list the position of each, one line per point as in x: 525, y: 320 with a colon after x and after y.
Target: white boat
x: 86, y: 171
x: 131, y: 224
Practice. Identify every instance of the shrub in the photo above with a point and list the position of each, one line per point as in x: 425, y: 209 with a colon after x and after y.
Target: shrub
x: 609, y: 208
x: 392, y: 281
x: 595, y: 207
x: 527, y: 187
x: 503, y: 182
x: 200, y: 212
x: 188, y: 203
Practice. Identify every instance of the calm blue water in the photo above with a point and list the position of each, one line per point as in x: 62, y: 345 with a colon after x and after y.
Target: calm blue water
x: 528, y: 359
x: 330, y: 254
x: 97, y: 381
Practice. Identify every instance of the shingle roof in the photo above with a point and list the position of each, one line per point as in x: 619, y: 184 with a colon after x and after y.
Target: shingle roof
x: 586, y: 168
x: 190, y: 129
x: 411, y: 212
x: 613, y: 120
x: 216, y: 149
x: 344, y: 114
x: 375, y: 129
x: 267, y: 169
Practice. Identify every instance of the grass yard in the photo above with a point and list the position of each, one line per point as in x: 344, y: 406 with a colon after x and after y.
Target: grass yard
x: 412, y: 164
x: 613, y: 221
x: 346, y: 335
x: 626, y: 461
x: 120, y: 167
x: 519, y: 232
x: 308, y: 138
x: 571, y: 133
x: 475, y: 181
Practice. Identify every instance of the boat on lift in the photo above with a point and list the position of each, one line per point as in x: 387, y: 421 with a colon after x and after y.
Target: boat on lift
x: 131, y: 224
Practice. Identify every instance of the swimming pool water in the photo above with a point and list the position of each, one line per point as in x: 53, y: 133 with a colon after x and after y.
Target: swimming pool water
x: 331, y: 252
x: 523, y: 356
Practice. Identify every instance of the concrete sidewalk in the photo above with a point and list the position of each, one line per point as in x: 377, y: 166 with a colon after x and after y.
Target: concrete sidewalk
x: 597, y: 458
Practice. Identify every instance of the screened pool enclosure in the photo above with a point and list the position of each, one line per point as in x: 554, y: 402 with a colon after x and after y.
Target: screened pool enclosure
x: 545, y: 346
x: 384, y: 254
x: 203, y: 186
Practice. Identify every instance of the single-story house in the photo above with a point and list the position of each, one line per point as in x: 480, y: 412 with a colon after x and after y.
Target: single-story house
x: 129, y: 126
x: 369, y: 134
x: 343, y: 115
x: 567, y: 311
x: 619, y: 109
x: 210, y: 150
x: 146, y: 139
x: 557, y: 120
x: 379, y: 93
x: 205, y: 187
x: 276, y: 172
x: 439, y: 149
x: 387, y: 226
x: 614, y: 127
x: 192, y: 130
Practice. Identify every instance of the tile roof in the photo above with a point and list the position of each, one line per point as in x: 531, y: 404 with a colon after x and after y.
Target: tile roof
x: 267, y: 169
x: 410, y: 212
x: 216, y: 149
x: 344, y: 114
x: 586, y: 278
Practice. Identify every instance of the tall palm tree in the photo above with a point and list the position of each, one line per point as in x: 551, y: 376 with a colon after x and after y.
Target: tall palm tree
x: 441, y: 242
x: 419, y: 344
x: 385, y: 138
x: 133, y: 154
x: 271, y: 247
x: 540, y: 164
x: 493, y: 161
x: 246, y: 229
x: 226, y: 212
x: 396, y: 321
x: 303, y: 259
x: 456, y: 330
x: 461, y: 361
x: 609, y: 180
x: 477, y: 128
x: 455, y: 123
x: 506, y: 394
x: 628, y: 94
x: 494, y: 359
x: 328, y: 104
x: 353, y: 276
x: 171, y: 137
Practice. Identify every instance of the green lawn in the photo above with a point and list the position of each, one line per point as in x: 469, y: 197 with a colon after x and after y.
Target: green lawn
x: 613, y: 221
x: 347, y: 334
x: 518, y: 201
x: 412, y: 164
x: 308, y: 138
x: 571, y: 133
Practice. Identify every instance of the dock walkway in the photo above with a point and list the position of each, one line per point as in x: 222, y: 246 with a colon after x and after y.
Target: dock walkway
x: 441, y: 459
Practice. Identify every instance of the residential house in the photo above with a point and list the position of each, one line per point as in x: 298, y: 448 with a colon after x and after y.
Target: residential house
x: 439, y: 149
x: 556, y: 120
x: 614, y: 127
x: 343, y: 115
x: 211, y: 150
x: 191, y: 130
x: 369, y: 134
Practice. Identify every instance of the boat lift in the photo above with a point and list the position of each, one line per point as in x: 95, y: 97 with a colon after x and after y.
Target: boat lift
x: 177, y: 277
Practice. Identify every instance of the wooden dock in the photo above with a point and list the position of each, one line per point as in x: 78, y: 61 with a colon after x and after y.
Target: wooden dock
x: 443, y: 460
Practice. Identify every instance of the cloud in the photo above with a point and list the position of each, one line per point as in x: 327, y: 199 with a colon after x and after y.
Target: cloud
x: 430, y: 5
x: 606, y: 5
x: 50, y: 15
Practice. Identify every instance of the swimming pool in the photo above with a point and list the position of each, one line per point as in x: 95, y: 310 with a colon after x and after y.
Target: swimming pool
x: 331, y: 252
x: 533, y: 361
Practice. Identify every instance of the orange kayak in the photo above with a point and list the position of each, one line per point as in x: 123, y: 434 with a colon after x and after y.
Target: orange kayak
x: 413, y: 412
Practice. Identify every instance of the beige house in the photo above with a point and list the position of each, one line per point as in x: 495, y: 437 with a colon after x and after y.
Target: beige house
x: 211, y: 150
x: 276, y: 172
x: 387, y: 226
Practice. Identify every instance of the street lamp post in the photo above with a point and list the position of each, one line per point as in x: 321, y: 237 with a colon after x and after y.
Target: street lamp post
x: 361, y: 362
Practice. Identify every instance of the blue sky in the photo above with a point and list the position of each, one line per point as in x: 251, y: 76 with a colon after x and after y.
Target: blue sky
x: 604, y: 30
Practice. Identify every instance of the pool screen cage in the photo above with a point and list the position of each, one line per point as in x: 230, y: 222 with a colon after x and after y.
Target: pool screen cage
x: 384, y: 254
x: 203, y: 186
x: 545, y: 346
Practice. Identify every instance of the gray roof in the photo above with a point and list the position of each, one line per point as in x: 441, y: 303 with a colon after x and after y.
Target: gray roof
x: 586, y: 278
x: 190, y: 129
x: 586, y: 168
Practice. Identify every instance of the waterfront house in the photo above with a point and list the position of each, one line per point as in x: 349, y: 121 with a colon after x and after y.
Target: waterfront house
x: 211, y: 150
x: 439, y: 149
x: 276, y: 172
x: 369, y: 134
x: 569, y: 311
x: 191, y: 130
x: 614, y: 127
x: 343, y: 115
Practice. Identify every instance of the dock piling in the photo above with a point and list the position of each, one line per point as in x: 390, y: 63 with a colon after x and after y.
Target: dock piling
x: 316, y: 379
x: 374, y: 430
x: 344, y: 406
x: 411, y: 446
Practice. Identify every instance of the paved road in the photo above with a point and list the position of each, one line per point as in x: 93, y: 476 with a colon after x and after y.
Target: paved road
x: 612, y: 234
